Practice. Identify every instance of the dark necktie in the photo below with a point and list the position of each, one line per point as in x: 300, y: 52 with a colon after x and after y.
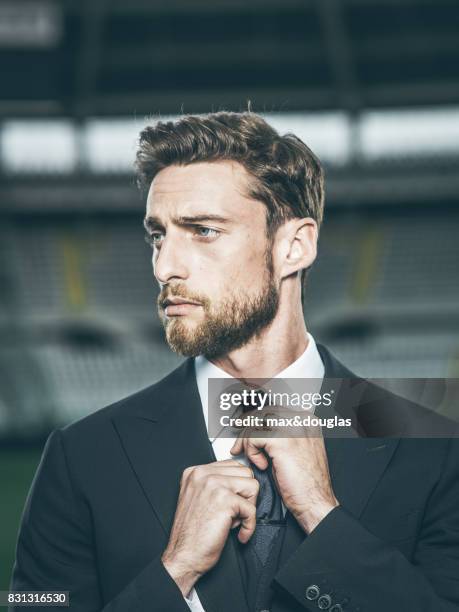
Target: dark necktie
x: 261, y: 551
x: 269, y: 514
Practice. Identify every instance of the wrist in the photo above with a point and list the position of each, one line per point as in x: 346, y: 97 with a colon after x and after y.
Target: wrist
x: 309, y: 518
x: 181, y: 573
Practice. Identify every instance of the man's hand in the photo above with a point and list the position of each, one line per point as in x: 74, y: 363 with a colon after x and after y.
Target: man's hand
x: 213, y: 499
x: 300, y: 469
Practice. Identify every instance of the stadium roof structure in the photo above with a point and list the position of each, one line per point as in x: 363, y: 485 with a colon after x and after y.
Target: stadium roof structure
x: 127, y: 57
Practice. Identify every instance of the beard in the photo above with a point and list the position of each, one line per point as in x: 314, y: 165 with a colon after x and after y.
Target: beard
x: 227, y: 326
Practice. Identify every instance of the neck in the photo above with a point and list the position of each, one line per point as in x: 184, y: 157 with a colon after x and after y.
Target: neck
x: 274, y: 349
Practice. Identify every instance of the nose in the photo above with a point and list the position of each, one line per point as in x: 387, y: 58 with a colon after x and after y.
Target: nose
x: 169, y: 261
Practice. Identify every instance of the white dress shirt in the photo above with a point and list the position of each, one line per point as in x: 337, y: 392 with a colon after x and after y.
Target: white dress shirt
x: 308, y: 365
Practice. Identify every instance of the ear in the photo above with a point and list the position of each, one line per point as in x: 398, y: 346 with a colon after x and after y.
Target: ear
x: 296, y: 245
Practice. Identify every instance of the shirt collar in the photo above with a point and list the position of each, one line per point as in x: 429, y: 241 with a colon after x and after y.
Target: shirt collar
x: 308, y: 365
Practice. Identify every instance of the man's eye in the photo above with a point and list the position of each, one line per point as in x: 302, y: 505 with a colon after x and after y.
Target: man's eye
x: 207, y: 232
x: 153, y: 239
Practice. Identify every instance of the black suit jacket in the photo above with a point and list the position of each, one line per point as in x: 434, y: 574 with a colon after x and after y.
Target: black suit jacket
x: 102, y: 503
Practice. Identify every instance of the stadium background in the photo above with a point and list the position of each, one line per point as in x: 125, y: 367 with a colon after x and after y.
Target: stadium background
x: 370, y: 85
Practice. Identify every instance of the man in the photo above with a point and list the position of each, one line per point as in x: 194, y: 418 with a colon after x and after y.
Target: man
x: 133, y: 509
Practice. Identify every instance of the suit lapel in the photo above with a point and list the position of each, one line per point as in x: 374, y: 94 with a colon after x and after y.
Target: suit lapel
x: 356, y: 463
x: 162, y: 435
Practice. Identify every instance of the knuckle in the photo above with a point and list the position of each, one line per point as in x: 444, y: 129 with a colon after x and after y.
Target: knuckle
x: 186, y: 473
x: 196, y: 474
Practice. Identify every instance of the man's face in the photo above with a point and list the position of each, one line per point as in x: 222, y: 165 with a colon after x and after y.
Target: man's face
x: 211, y: 251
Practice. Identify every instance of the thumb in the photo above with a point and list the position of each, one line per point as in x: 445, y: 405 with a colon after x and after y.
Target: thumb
x: 237, y: 447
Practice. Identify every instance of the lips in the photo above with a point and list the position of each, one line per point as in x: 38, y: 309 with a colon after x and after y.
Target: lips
x: 175, y: 301
x: 178, y: 306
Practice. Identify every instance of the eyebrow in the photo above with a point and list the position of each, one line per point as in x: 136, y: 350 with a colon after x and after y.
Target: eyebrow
x: 154, y: 222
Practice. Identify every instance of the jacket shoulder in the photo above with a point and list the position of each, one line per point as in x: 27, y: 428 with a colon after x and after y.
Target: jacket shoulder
x: 397, y: 415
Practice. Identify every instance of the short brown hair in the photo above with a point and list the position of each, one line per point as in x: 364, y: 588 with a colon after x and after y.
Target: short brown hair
x: 287, y: 177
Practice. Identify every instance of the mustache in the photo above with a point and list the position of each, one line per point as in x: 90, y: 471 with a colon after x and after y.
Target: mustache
x: 168, y: 293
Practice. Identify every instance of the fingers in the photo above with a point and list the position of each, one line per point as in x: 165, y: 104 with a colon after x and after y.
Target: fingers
x: 247, y: 514
x: 229, y: 488
x: 255, y: 453
x: 253, y: 449
x: 229, y: 467
x: 247, y: 488
x: 238, y: 447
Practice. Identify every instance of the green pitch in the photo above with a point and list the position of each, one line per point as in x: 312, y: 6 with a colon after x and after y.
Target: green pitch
x: 17, y: 468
